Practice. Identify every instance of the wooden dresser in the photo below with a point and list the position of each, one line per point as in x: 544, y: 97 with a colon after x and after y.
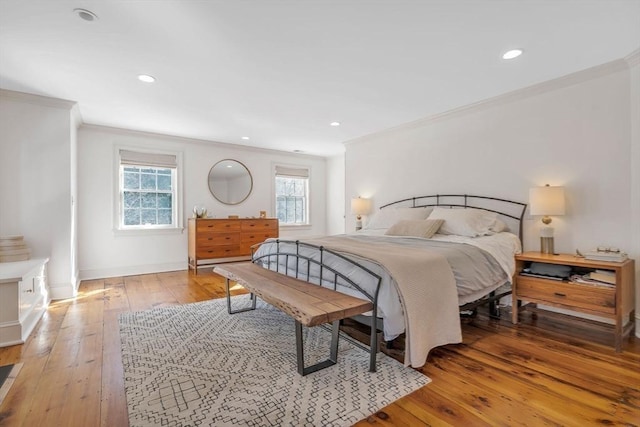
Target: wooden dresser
x: 219, y: 240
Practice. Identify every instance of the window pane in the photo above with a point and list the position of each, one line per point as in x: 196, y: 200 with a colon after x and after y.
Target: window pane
x: 164, y: 182
x: 148, y: 216
x: 131, y: 180
x: 131, y: 200
x: 132, y: 217
x: 164, y: 216
x: 148, y: 200
x: 164, y: 200
x: 164, y: 172
x: 148, y: 181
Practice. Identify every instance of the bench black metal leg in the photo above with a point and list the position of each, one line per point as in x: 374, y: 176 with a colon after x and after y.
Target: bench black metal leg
x: 333, y: 355
x: 373, y: 345
x: 251, y: 296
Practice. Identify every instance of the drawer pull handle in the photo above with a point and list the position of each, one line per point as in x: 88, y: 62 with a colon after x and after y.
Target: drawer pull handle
x: 559, y: 294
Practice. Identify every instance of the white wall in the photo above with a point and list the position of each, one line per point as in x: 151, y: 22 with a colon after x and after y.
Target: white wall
x: 575, y: 132
x: 104, y: 253
x: 37, y: 137
x: 335, y: 195
x: 634, y: 62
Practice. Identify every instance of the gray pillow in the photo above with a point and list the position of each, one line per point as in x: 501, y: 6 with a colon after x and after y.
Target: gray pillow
x: 424, y: 228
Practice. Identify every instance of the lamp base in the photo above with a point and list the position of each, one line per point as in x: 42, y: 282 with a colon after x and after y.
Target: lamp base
x: 358, y: 225
x: 546, y: 245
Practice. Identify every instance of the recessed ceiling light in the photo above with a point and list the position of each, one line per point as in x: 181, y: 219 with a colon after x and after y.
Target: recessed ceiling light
x: 246, y: 138
x: 298, y: 151
x: 514, y: 53
x: 146, y: 78
x: 335, y: 123
x: 85, y: 14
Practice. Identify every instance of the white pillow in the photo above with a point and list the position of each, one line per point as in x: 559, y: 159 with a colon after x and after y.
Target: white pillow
x: 385, y: 218
x: 424, y: 228
x: 499, y: 226
x: 464, y: 222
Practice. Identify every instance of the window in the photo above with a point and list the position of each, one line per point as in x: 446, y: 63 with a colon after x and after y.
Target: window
x: 292, y: 195
x: 148, y: 196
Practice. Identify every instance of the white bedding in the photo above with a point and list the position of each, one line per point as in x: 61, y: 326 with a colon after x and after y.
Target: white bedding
x: 501, y: 246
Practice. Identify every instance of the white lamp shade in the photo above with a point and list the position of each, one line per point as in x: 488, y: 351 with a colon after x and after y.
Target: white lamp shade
x: 547, y: 201
x: 360, y: 206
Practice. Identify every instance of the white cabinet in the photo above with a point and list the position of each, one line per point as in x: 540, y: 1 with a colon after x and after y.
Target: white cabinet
x: 24, y: 296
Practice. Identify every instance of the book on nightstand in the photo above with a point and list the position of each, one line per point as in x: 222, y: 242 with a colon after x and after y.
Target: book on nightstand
x: 603, y: 276
x: 606, y: 256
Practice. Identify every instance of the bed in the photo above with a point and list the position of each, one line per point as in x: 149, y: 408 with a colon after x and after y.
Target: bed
x: 419, y: 260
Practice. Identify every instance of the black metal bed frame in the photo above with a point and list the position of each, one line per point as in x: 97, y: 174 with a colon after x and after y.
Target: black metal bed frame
x: 442, y: 200
x: 475, y: 202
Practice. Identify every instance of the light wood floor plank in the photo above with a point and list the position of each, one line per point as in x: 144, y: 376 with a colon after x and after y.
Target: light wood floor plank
x: 548, y: 370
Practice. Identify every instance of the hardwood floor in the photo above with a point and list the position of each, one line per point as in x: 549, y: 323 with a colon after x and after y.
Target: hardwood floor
x: 549, y: 370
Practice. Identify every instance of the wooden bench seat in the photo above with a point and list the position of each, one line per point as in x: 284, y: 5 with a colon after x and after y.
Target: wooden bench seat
x: 306, y: 303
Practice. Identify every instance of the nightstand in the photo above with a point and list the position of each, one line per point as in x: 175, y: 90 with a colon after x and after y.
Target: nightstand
x: 615, y: 302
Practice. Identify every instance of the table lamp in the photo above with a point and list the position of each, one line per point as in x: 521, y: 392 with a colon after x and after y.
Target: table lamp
x: 546, y: 201
x: 359, y: 207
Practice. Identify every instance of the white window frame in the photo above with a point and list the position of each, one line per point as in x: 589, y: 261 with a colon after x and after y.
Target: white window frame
x: 118, y: 201
x: 294, y: 171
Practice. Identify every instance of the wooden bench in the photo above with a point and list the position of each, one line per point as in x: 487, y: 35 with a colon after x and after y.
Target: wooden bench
x: 306, y: 303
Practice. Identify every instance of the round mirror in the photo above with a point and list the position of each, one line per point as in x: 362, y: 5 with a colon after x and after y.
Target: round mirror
x: 230, y: 182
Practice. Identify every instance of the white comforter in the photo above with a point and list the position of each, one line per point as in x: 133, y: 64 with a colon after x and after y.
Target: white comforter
x: 502, y: 246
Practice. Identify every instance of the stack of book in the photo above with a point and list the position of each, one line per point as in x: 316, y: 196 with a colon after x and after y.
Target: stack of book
x: 611, y: 256
x: 587, y: 279
x: 606, y: 276
x: 13, y: 248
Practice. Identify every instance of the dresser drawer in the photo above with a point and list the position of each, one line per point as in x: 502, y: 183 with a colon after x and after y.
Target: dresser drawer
x: 220, y: 251
x: 590, y: 298
x: 250, y: 239
x: 217, y: 226
x: 259, y: 224
x: 211, y: 240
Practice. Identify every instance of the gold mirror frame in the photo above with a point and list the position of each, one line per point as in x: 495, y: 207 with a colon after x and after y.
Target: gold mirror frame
x: 230, y: 182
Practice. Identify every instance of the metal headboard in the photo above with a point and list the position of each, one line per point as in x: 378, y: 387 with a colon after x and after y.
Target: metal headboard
x: 506, y: 208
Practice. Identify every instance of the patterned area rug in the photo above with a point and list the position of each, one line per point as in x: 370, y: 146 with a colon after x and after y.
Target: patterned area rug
x: 195, y: 364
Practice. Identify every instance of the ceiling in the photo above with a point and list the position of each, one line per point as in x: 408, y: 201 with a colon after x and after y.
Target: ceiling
x: 281, y: 71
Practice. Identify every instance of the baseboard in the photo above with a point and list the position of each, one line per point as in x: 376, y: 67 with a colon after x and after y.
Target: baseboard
x: 10, y: 334
x: 59, y: 291
x: 131, y: 270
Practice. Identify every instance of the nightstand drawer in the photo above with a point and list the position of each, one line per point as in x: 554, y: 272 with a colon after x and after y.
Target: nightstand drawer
x: 585, y: 297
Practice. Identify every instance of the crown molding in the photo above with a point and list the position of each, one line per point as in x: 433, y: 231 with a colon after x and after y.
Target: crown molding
x: 31, y: 98
x: 510, y: 97
x: 186, y: 140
